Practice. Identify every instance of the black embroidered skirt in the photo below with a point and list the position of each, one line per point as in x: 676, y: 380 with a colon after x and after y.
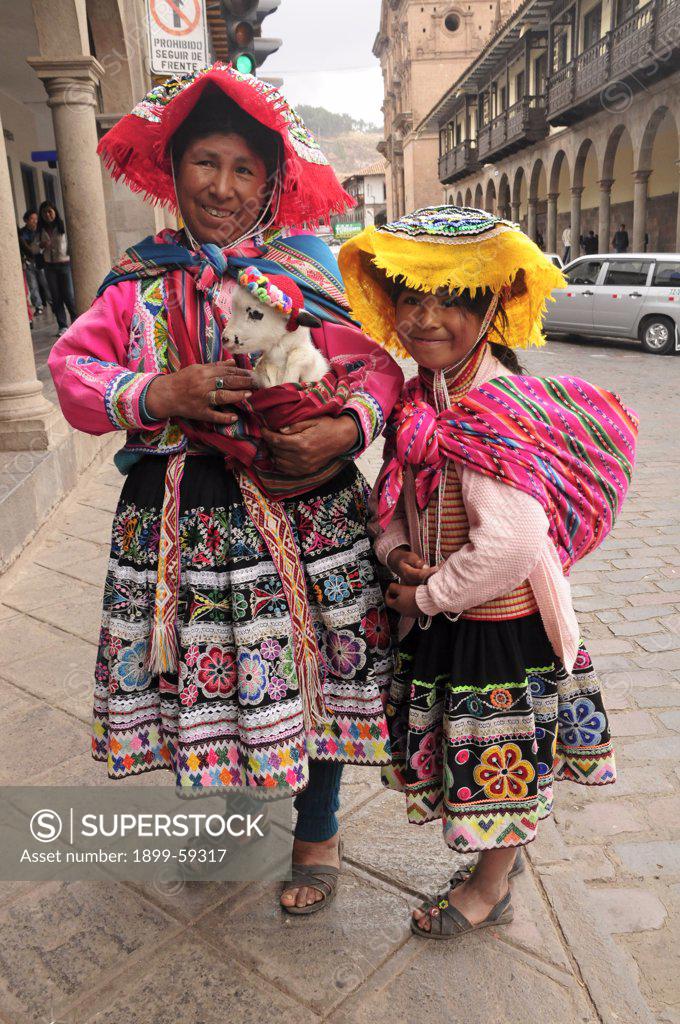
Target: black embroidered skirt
x: 483, y: 719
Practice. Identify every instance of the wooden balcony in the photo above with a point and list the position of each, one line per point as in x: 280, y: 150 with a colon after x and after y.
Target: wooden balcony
x: 520, y: 125
x: 635, y: 52
x: 667, y: 21
x: 591, y: 69
x: 458, y: 162
x: 632, y: 41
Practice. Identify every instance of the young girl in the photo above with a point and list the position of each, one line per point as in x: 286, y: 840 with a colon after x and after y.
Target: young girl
x: 489, y: 493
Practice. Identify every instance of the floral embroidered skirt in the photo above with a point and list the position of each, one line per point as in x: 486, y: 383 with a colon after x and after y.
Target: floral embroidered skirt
x: 482, y: 720
x: 232, y: 714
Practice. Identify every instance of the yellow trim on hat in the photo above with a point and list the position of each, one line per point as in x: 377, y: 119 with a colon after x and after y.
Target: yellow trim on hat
x: 375, y: 257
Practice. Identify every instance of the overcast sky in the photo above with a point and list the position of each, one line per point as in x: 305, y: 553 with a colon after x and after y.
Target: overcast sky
x: 326, y: 58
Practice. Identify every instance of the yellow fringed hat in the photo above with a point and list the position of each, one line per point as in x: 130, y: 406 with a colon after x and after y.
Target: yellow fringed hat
x: 453, y: 247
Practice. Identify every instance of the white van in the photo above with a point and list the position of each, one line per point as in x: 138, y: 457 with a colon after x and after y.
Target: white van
x: 626, y: 295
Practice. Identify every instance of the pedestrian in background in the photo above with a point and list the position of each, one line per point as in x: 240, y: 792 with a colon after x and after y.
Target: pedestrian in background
x: 494, y: 484
x: 34, y: 264
x: 566, y: 242
x: 620, y: 240
x: 590, y: 243
x: 54, y: 246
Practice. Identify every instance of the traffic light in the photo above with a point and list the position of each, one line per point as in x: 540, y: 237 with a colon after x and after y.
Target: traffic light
x: 243, y: 18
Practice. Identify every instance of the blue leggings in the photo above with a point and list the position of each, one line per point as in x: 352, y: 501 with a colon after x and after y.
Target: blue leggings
x: 318, y: 804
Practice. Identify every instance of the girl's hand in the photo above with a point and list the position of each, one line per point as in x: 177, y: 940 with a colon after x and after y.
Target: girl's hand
x: 307, y: 446
x: 403, y: 600
x: 408, y: 566
x: 191, y: 392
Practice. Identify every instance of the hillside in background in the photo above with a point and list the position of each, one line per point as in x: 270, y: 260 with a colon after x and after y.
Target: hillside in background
x: 348, y: 144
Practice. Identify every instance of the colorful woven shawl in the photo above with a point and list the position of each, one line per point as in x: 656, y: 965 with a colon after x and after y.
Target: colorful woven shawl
x: 194, y: 279
x: 567, y: 443
x: 303, y: 257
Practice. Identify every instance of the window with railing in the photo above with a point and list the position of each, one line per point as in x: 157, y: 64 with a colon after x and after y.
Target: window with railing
x: 592, y: 26
x: 560, y: 51
x: 624, y: 9
x: 540, y: 74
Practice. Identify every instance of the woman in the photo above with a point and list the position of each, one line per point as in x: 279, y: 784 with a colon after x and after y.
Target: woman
x: 202, y: 668
x: 54, y: 247
x: 494, y: 485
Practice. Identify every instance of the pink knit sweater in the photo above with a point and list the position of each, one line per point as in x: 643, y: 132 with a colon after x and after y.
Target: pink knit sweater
x: 508, y: 543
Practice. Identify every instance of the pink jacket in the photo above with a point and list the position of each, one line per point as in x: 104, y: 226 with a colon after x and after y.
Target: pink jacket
x: 508, y: 544
x: 103, y: 362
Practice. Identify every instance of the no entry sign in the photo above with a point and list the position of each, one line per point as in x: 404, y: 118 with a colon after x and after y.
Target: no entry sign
x: 178, y: 40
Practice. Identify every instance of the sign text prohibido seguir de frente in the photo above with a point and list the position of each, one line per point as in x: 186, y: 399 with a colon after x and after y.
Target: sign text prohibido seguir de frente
x: 178, y: 40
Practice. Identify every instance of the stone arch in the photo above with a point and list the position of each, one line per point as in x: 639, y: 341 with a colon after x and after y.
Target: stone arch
x: 537, y: 202
x: 61, y: 28
x: 610, y: 150
x: 537, y: 171
x: 658, y: 204
x: 490, y: 197
x: 587, y: 150
x: 517, y: 181
x: 479, y: 196
x: 618, y: 165
x: 558, y: 163
x: 644, y: 159
x: 504, y: 200
x: 468, y: 196
x: 586, y: 191
x: 459, y: 198
x: 111, y: 40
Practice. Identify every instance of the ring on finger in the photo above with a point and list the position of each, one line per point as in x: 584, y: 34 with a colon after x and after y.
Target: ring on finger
x: 219, y: 383
x: 212, y: 398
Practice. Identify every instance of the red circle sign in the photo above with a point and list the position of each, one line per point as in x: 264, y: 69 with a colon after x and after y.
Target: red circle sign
x: 183, y: 21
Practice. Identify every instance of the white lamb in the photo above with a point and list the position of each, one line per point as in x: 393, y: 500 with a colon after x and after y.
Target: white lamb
x: 268, y: 316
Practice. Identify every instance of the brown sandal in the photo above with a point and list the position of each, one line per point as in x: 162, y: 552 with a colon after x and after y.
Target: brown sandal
x: 446, y: 922
x: 322, y: 877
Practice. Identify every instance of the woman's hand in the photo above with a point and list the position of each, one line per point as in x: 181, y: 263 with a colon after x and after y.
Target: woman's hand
x: 191, y: 392
x: 403, y: 600
x: 305, y: 447
x: 408, y: 566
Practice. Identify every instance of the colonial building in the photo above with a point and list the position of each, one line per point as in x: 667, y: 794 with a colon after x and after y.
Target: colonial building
x: 423, y: 46
x: 569, y: 117
x: 70, y: 68
x: 368, y: 187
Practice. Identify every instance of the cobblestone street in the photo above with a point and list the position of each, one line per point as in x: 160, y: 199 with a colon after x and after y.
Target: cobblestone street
x: 597, y: 915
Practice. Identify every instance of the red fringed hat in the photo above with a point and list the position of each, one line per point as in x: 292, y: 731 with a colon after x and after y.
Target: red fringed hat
x: 136, y: 149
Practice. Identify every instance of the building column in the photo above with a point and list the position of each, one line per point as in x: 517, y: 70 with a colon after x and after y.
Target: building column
x: 575, y: 221
x: 531, y: 219
x: 604, y: 217
x: 640, y: 179
x: 677, y: 220
x: 71, y: 83
x: 551, y: 222
x: 27, y: 419
x: 514, y: 212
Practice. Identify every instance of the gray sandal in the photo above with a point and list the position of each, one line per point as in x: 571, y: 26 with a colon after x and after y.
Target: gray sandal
x: 322, y: 877
x: 446, y: 922
x: 462, y: 874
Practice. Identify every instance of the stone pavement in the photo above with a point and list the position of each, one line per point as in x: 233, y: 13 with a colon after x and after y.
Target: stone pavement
x: 597, y: 916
